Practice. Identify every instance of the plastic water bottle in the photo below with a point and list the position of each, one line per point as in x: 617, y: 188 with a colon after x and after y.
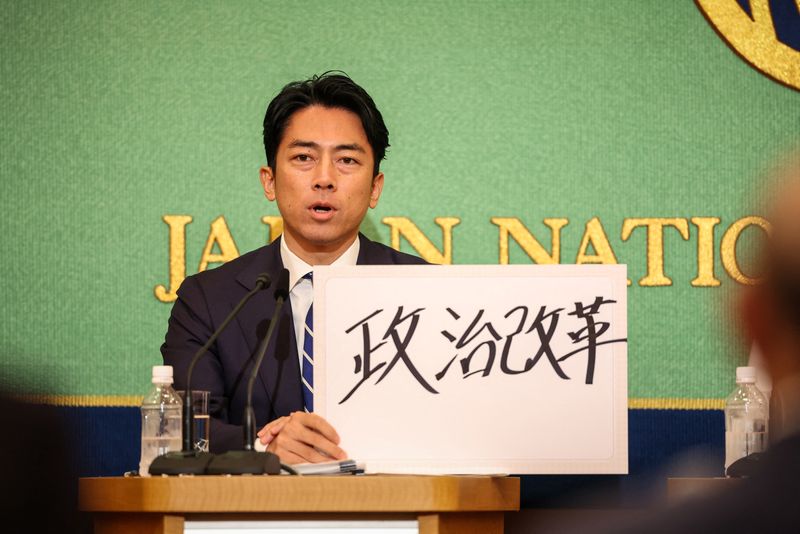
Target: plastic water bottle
x: 161, y: 418
x: 746, y: 418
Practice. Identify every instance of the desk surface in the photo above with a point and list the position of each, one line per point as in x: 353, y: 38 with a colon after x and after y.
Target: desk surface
x: 282, y: 493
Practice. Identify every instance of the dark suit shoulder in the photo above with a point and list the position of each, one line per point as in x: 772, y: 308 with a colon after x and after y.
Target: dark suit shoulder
x: 373, y: 253
x: 241, y: 272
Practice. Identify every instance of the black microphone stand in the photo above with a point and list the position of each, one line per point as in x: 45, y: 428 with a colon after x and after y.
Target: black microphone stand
x: 249, y: 461
x: 189, y: 461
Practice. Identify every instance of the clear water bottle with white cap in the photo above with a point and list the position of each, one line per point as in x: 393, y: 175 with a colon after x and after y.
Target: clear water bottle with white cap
x: 746, y: 418
x: 161, y: 418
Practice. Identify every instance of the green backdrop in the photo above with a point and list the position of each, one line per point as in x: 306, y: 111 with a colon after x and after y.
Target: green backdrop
x: 116, y: 114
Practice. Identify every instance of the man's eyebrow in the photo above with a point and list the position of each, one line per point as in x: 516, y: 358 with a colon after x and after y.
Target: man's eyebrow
x: 303, y: 144
x: 311, y: 144
x: 352, y: 146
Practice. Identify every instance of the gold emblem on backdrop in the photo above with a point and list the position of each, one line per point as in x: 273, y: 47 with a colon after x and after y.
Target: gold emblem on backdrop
x: 765, y: 33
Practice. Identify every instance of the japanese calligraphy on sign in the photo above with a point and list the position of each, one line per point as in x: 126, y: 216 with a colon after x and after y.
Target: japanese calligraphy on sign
x: 475, y: 369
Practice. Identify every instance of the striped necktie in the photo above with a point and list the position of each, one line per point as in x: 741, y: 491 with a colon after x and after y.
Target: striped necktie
x: 307, y: 371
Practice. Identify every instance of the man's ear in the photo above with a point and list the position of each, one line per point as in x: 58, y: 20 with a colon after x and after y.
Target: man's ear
x: 268, y: 182
x: 377, y: 187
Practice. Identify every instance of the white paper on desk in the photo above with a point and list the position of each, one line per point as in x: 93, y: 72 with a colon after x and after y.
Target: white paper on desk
x: 487, y: 413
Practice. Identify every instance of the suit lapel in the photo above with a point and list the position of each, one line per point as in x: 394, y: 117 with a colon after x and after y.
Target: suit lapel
x: 366, y: 250
x: 279, y: 376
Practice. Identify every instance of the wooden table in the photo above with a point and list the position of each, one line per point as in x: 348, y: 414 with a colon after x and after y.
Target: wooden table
x: 440, y: 504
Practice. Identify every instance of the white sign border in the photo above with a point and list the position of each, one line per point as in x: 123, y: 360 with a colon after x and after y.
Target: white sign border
x: 617, y: 464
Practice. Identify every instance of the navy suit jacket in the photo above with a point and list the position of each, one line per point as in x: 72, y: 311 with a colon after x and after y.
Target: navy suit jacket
x: 204, y: 300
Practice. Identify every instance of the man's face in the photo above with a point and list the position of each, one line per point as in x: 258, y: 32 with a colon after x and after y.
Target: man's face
x: 322, y: 179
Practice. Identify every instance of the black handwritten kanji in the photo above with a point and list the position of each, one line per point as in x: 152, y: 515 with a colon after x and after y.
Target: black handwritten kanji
x: 544, y: 336
x: 363, y: 362
x: 477, y: 347
x: 590, y: 333
x: 465, y: 339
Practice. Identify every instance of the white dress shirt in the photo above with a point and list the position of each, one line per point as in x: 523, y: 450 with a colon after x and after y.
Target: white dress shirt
x: 301, y: 294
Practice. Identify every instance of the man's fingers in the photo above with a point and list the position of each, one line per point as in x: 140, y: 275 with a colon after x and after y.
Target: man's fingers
x: 318, y: 424
x: 285, y: 456
x: 271, y: 424
x: 270, y: 433
x: 307, y: 453
x: 318, y: 442
x: 271, y: 429
x: 304, y: 437
x: 292, y: 451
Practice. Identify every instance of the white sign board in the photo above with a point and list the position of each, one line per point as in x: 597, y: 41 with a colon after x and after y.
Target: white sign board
x: 474, y: 369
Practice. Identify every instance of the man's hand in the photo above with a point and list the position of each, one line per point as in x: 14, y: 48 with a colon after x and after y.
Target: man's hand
x: 302, y: 437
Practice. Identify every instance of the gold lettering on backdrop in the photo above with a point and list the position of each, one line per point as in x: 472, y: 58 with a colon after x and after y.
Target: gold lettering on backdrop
x: 655, y: 245
x: 728, y: 247
x: 177, y: 257
x: 595, y: 236
x: 275, y: 226
x: 513, y: 227
x: 705, y: 251
x: 403, y: 226
x: 221, y: 236
x: 594, y: 248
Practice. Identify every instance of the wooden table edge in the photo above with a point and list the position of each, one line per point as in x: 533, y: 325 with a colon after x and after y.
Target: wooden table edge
x: 284, y: 494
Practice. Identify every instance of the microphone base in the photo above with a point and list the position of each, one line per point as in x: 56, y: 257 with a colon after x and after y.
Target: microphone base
x: 244, y: 463
x: 181, y: 463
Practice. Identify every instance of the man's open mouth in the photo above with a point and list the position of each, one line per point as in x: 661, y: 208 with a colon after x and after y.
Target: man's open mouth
x: 321, y: 208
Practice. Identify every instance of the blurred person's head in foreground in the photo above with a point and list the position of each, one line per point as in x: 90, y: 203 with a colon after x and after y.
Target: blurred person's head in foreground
x: 770, y: 313
x: 770, y: 310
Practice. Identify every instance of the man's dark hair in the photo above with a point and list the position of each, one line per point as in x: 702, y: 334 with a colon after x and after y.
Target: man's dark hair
x: 332, y: 89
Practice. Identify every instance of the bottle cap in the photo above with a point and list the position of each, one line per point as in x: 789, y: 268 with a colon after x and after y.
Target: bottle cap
x: 162, y: 374
x: 745, y: 375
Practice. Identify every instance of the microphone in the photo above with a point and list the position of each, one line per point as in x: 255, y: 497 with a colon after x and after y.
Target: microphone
x: 249, y: 461
x: 189, y: 461
x: 281, y: 294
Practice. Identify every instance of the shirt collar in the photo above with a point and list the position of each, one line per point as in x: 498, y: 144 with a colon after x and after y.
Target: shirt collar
x: 299, y: 268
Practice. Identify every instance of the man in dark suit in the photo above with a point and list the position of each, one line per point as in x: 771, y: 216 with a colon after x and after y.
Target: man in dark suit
x: 324, y: 139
